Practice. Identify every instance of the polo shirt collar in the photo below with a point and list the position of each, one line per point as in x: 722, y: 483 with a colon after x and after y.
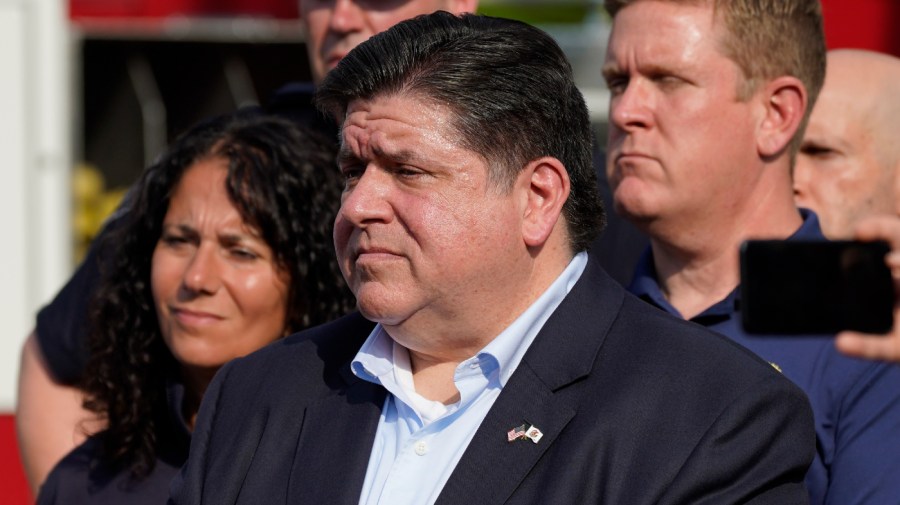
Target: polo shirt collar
x: 644, y: 283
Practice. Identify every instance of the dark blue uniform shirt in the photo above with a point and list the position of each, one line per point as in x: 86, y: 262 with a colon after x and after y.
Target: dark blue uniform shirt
x: 856, y: 403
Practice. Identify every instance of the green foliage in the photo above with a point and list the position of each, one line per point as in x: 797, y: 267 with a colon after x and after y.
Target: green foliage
x: 538, y: 13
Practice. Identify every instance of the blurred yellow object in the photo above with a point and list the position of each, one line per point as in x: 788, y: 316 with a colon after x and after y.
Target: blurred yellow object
x: 87, y: 182
x: 93, y: 204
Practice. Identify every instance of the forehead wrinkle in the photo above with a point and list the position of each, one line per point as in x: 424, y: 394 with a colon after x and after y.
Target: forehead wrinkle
x: 246, y: 234
x: 432, y: 127
x: 233, y: 226
x: 183, y: 228
x: 648, y: 55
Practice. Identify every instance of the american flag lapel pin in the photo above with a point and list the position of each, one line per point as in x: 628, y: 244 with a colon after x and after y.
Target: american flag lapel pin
x: 516, y: 433
x: 525, y: 431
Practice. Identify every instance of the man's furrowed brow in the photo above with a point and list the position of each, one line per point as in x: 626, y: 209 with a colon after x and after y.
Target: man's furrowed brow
x: 346, y: 157
x: 399, y: 156
x: 610, y: 69
x: 402, y: 156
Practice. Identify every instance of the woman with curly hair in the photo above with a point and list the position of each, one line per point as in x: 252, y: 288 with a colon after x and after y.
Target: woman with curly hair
x: 225, y: 247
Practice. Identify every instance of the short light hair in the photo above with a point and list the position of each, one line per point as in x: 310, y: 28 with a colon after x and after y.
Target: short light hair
x: 768, y: 39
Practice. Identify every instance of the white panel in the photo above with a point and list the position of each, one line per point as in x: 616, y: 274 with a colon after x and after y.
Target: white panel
x: 34, y: 195
x: 14, y: 305
x: 50, y: 105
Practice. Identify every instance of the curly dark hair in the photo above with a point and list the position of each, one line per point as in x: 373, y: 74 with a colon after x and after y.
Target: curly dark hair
x: 284, y: 182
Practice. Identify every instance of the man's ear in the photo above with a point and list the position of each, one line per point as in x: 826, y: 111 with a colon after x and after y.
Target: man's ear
x: 545, y: 182
x: 784, y: 104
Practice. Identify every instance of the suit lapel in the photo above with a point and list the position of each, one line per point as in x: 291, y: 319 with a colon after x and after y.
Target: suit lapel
x: 564, y: 351
x: 492, y: 467
x: 332, y: 453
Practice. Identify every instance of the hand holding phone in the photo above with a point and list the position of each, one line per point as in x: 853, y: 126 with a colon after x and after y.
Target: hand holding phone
x: 883, y: 347
x: 815, y: 287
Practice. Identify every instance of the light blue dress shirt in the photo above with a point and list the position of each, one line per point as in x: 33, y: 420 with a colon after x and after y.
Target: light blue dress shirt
x: 419, y: 441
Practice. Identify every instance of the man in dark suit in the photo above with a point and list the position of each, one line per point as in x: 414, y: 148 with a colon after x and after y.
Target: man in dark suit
x: 492, y: 361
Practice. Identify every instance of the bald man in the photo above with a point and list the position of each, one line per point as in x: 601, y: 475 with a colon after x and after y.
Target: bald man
x: 847, y: 166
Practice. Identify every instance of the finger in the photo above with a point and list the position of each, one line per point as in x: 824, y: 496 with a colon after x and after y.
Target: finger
x: 878, y: 347
x: 880, y: 227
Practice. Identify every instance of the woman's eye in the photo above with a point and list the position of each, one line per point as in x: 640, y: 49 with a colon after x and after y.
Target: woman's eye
x: 174, y: 240
x: 244, y: 254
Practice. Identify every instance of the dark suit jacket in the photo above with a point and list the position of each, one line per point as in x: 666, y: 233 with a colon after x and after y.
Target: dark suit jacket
x: 636, y: 407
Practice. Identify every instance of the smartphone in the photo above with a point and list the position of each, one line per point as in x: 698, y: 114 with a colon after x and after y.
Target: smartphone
x: 815, y: 287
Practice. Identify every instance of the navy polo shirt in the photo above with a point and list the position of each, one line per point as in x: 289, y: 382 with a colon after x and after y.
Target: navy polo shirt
x: 856, y: 403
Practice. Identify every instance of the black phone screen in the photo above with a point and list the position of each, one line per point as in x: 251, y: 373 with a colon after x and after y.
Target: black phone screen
x: 815, y: 287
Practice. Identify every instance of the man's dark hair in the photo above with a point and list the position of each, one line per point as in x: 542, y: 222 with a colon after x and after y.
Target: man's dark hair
x: 508, y: 86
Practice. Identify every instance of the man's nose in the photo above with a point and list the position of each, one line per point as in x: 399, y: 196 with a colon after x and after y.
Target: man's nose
x: 347, y: 16
x: 632, y: 108
x: 368, y: 199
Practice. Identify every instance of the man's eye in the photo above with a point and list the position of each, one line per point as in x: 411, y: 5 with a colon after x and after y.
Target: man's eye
x: 617, y: 85
x: 407, y: 172
x: 667, y: 81
x: 351, y: 173
x: 817, y: 151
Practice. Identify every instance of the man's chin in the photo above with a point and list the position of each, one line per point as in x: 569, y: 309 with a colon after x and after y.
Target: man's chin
x: 637, y: 213
x: 382, y: 317
x: 630, y: 199
x: 379, y: 308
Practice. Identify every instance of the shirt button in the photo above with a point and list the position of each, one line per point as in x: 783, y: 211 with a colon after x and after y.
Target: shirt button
x: 421, y: 448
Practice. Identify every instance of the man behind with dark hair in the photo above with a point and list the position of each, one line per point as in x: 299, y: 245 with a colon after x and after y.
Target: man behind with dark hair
x: 706, y: 115
x: 492, y: 361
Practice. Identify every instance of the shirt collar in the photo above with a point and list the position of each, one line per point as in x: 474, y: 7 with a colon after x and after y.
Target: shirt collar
x: 644, y: 283
x: 375, y: 358
x: 510, y: 345
x: 810, y: 229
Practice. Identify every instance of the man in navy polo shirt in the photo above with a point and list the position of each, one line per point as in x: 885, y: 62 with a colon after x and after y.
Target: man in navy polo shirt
x: 706, y: 116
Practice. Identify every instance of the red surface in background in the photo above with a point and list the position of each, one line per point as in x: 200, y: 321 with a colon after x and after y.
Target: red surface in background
x: 13, y: 487
x: 83, y: 9
x: 863, y: 24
